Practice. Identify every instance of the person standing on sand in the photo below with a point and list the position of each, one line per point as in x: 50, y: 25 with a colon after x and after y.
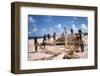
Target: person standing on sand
x: 72, y: 31
x: 65, y: 32
x: 82, y: 46
x: 81, y: 41
x: 49, y: 37
x: 54, y: 38
x: 36, y: 44
x: 44, y: 40
x: 80, y: 33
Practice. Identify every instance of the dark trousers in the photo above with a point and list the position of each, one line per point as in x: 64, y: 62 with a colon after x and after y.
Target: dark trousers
x: 82, y: 47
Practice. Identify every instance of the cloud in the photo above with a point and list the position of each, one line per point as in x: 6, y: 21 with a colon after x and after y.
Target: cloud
x: 59, y: 26
x: 34, y: 29
x: 74, y: 28
x: 31, y: 19
x: 44, y: 30
x: 84, y: 28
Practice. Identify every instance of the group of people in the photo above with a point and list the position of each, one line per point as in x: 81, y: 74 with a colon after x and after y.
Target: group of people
x: 79, y: 37
x: 45, y: 38
x: 48, y: 37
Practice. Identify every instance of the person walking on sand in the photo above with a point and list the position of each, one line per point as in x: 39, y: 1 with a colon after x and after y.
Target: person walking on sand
x: 36, y: 44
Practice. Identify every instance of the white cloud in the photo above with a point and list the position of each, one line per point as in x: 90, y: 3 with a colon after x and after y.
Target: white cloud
x: 84, y: 28
x: 59, y: 26
x: 44, y: 30
x: 74, y: 28
x: 32, y: 20
x: 34, y: 29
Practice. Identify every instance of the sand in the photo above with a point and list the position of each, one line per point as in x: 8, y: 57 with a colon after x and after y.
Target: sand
x: 54, y: 52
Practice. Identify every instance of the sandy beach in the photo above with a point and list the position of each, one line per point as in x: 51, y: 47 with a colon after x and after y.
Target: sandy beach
x: 55, y: 52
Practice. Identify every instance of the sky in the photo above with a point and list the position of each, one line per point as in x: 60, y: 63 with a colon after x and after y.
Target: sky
x: 38, y: 25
